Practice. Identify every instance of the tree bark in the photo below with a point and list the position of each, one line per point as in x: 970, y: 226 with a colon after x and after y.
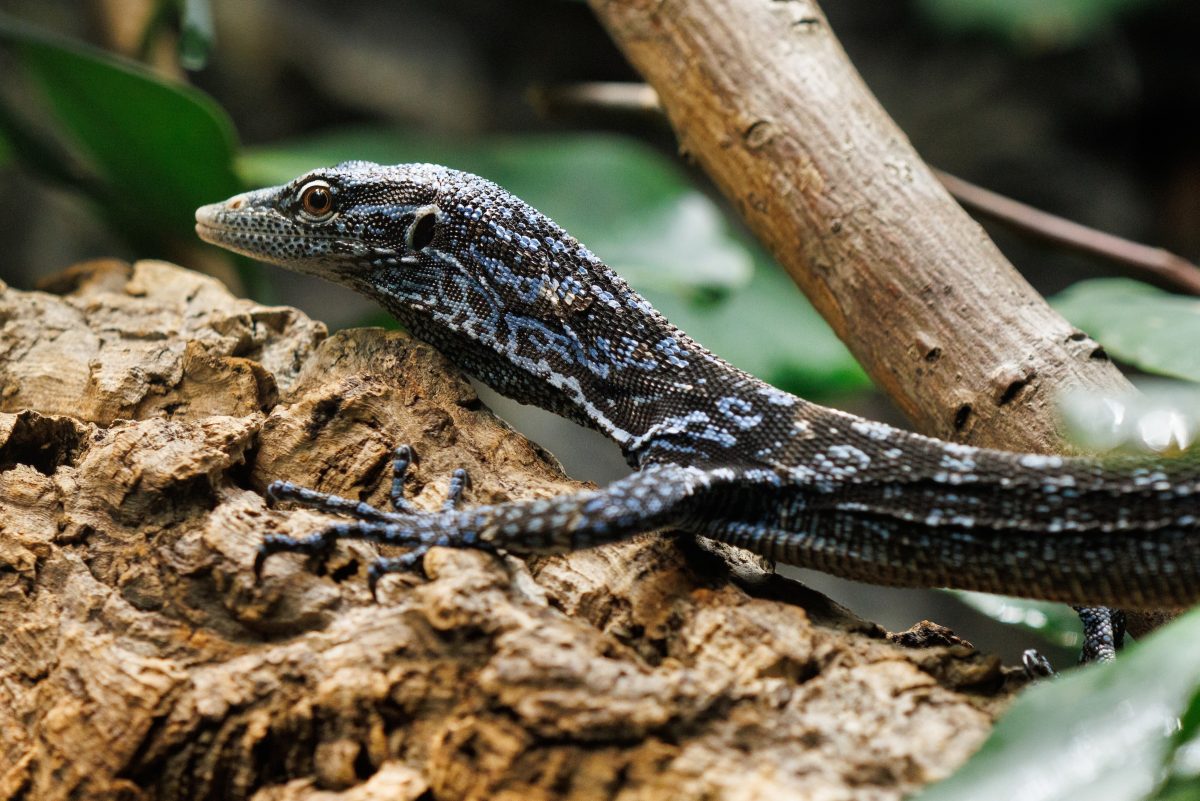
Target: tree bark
x: 762, y: 96
x: 143, y: 412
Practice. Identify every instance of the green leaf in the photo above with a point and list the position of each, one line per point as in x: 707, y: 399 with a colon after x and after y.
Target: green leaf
x: 1031, y: 22
x: 156, y: 150
x: 1183, y: 783
x: 1056, y: 623
x: 639, y: 213
x: 1103, y: 733
x: 1143, y: 326
x: 1180, y: 790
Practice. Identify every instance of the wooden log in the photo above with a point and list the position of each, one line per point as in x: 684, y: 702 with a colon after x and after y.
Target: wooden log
x: 139, y: 659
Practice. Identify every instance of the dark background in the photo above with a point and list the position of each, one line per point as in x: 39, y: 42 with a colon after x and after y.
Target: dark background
x: 1091, y: 114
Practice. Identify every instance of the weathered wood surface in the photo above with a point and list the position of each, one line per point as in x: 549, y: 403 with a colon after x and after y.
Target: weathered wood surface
x: 144, y: 410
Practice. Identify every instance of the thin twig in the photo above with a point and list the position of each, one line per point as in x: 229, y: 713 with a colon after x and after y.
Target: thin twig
x: 1143, y: 261
x: 637, y: 98
x: 1161, y: 266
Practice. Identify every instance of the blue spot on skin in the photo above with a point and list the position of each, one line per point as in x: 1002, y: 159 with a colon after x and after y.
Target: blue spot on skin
x: 739, y: 411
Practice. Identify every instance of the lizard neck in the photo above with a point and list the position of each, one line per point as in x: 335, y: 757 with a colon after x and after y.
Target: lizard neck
x: 580, y: 343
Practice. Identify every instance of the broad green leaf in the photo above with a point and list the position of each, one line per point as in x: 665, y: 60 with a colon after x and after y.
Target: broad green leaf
x: 1103, y: 733
x: 1143, y: 326
x: 1056, y: 623
x: 638, y: 212
x: 157, y: 150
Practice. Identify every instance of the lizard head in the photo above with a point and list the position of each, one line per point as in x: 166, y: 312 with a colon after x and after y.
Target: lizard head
x: 414, y: 236
x: 422, y: 240
x: 337, y: 222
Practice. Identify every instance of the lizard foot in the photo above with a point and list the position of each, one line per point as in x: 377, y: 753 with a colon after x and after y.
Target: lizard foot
x: 1103, y: 636
x: 402, y: 527
x: 1036, y: 665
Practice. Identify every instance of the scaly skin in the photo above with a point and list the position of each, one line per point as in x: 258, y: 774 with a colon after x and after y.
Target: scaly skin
x: 519, y: 303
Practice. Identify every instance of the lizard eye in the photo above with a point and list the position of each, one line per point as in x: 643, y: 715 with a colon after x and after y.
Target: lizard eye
x: 316, y: 199
x: 420, y: 233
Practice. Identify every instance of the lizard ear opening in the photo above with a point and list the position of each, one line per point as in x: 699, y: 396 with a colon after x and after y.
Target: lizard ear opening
x: 421, y: 232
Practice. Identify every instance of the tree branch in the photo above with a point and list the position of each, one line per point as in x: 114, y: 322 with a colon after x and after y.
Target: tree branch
x: 761, y: 94
x: 1155, y: 265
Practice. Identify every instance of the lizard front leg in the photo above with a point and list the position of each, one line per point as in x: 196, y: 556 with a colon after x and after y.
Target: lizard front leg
x: 650, y: 498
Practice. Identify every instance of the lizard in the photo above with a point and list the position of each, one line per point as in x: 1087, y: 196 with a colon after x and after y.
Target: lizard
x: 516, y: 301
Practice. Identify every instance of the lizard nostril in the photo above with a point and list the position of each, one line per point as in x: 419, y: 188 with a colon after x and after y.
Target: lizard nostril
x: 236, y: 203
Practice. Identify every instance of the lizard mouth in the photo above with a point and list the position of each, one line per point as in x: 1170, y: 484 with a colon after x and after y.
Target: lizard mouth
x: 218, y: 223
x: 265, y: 235
x: 227, y: 236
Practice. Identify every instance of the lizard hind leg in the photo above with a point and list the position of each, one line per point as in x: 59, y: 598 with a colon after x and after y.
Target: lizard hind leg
x: 1103, y: 633
x: 653, y: 497
x: 1103, y: 636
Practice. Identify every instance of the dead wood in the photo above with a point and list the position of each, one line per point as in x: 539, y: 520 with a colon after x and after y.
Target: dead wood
x: 144, y: 411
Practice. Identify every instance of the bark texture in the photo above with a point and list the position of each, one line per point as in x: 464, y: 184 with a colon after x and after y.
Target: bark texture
x: 762, y: 95
x: 144, y: 409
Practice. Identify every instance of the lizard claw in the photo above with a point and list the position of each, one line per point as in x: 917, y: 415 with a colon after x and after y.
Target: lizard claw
x: 265, y: 549
x: 410, y: 560
x: 459, y: 481
x: 277, y: 490
x: 1036, y: 665
x: 314, y: 544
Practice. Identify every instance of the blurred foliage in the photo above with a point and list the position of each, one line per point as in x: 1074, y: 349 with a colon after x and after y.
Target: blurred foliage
x: 1183, y: 770
x: 1032, y: 23
x: 1145, y: 327
x: 144, y: 150
x: 1160, y: 418
x: 196, y: 33
x: 194, y: 20
x: 1108, y: 733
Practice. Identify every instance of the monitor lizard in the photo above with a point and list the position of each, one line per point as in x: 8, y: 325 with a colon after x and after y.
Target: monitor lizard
x: 523, y: 306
